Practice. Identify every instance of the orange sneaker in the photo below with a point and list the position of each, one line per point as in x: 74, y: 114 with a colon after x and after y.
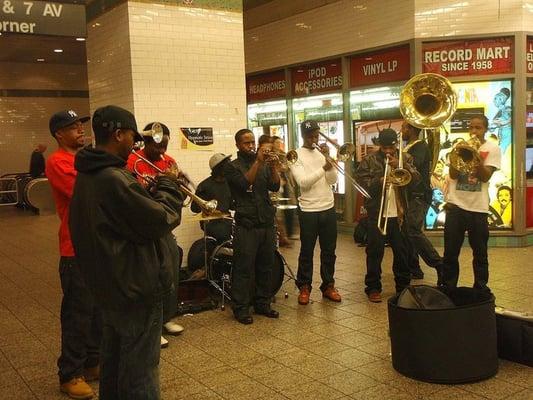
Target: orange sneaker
x: 374, y: 297
x: 331, y: 293
x: 303, y: 297
x: 77, y: 388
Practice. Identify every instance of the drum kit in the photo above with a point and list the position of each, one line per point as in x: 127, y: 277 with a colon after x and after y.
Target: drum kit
x: 218, y: 262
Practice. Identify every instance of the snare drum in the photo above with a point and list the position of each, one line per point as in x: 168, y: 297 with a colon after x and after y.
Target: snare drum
x: 221, y: 266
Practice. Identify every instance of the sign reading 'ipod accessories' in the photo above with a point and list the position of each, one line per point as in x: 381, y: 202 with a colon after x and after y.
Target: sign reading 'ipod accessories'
x: 42, y: 18
x: 271, y: 85
x: 320, y: 77
x: 469, y: 57
x: 387, y: 65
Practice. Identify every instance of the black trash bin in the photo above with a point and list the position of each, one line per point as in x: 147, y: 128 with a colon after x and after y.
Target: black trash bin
x: 453, y: 345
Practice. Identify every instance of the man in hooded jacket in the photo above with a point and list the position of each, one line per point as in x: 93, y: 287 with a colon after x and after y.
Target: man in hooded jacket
x: 118, y: 231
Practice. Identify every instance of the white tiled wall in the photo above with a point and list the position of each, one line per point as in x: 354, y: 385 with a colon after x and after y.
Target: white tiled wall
x: 182, y: 66
x: 336, y: 28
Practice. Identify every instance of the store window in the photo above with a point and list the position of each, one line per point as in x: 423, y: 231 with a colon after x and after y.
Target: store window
x: 327, y: 111
x: 269, y: 118
x: 529, y: 129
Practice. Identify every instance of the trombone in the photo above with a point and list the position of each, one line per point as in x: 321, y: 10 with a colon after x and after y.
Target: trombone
x: 392, y: 178
x: 342, y: 158
x: 208, y: 207
x: 155, y: 133
x: 344, y: 152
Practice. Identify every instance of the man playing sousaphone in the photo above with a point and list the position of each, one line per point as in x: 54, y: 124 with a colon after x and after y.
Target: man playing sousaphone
x: 156, y: 153
x: 468, y: 204
x: 371, y: 174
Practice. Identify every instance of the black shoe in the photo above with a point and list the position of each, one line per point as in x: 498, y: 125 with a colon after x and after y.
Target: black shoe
x: 244, y: 319
x: 267, y: 312
x: 417, y: 274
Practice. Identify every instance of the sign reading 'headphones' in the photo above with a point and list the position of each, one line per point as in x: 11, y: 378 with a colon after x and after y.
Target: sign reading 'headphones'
x: 469, y: 57
x: 42, y: 18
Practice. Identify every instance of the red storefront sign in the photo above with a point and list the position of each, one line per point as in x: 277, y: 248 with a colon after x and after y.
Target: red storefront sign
x: 387, y: 65
x: 529, y: 54
x: 271, y: 85
x: 317, y: 78
x: 469, y: 57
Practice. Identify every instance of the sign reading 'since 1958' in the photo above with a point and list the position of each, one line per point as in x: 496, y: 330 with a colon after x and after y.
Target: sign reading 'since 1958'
x: 469, y: 57
x: 42, y: 18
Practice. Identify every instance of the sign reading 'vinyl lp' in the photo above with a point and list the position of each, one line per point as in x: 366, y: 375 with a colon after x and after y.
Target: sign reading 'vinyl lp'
x: 42, y: 18
x: 529, y: 54
x: 469, y: 57
x: 317, y: 78
x: 271, y: 85
x: 196, y: 138
x: 387, y: 65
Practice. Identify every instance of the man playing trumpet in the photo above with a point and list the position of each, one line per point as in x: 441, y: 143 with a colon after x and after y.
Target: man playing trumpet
x: 371, y: 174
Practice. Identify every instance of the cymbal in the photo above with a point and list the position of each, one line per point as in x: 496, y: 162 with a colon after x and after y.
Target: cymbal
x: 201, y: 217
x: 286, y: 206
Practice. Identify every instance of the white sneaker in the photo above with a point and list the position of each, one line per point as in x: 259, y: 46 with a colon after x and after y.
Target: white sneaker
x: 164, y: 343
x: 172, y: 328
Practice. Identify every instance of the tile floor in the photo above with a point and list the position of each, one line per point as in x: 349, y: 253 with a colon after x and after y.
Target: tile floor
x: 321, y: 351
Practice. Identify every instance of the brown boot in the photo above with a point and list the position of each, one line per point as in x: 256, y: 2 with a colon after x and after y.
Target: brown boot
x: 77, y: 388
x: 303, y: 297
x: 331, y: 293
x: 92, y: 374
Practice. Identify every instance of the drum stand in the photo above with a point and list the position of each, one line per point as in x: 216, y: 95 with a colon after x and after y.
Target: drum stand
x: 289, y: 273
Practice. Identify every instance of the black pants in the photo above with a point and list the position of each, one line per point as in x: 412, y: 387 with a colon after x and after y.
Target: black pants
x: 418, y: 243
x: 130, y: 354
x: 81, y: 326
x: 374, y: 256
x: 251, y: 276
x: 459, y: 221
x: 313, y: 225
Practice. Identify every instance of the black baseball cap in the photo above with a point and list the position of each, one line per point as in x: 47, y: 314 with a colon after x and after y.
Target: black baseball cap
x: 387, y: 137
x: 308, y: 126
x: 64, y: 118
x: 111, y: 118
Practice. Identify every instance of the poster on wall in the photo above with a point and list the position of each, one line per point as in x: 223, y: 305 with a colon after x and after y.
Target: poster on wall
x: 196, y: 138
x: 494, y: 99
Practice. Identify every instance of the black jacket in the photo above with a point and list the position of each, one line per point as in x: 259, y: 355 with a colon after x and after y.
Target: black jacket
x: 422, y: 161
x: 118, y: 229
x: 253, y: 207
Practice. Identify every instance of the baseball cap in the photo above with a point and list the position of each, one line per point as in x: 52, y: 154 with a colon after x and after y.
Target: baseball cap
x: 309, y: 126
x: 64, y: 118
x: 217, y: 159
x: 387, y: 137
x: 111, y: 118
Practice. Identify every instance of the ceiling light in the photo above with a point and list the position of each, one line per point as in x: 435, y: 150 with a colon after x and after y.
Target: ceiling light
x: 80, y: 39
x: 58, y: 50
x: 40, y: 59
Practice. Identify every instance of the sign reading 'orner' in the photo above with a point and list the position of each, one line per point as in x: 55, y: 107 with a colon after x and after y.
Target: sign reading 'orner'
x: 42, y: 18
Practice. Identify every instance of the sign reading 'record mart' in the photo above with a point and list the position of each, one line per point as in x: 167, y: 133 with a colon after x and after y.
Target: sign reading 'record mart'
x: 42, y: 18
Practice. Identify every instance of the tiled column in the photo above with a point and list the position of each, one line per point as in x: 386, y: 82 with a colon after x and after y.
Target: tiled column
x: 181, y: 65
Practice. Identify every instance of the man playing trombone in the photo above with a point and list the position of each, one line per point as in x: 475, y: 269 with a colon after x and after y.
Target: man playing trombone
x: 385, y: 212
x: 314, y: 175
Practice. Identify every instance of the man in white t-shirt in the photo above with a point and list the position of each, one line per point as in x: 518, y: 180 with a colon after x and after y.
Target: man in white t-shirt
x: 467, y: 208
x: 317, y: 215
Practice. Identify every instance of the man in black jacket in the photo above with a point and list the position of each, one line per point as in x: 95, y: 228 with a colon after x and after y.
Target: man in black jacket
x: 419, y: 197
x: 118, y: 230
x: 250, y: 178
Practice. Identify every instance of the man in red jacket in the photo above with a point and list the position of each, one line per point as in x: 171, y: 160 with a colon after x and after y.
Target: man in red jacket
x: 80, y: 321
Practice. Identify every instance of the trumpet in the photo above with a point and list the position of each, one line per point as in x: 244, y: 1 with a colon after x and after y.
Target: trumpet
x: 341, y: 171
x: 156, y: 132
x: 344, y: 152
x: 208, y: 207
x: 285, y: 160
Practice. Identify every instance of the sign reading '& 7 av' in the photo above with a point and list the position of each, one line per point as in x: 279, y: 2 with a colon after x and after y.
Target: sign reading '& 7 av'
x: 469, y: 57
x: 42, y: 18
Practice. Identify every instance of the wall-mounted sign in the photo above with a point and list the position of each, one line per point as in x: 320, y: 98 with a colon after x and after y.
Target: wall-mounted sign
x: 382, y: 66
x: 196, y: 138
x: 271, y: 85
x: 320, y: 77
x: 469, y: 57
x: 42, y: 18
x: 529, y: 54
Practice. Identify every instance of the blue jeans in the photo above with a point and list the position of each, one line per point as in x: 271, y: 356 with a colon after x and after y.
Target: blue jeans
x: 130, y: 354
x: 321, y: 225
x: 459, y: 221
x: 81, y: 326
